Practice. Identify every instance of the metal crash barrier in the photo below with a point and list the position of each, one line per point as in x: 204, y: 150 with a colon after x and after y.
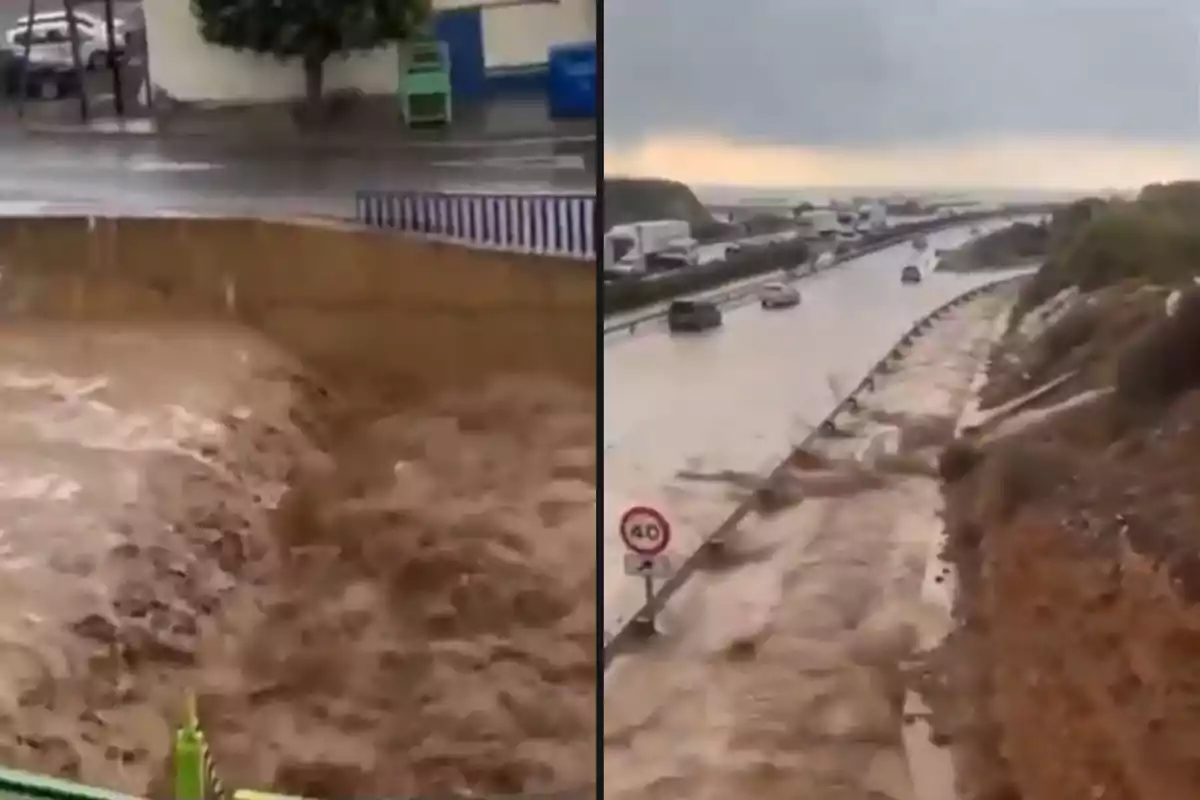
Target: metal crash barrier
x: 194, y: 776
x: 544, y: 224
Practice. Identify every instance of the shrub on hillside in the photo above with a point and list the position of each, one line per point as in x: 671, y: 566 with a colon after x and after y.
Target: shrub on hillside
x: 1163, y: 363
x: 1068, y: 221
x: 1180, y: 199
x: 1075, y: 328
x: 1149, y: 240
x: 1006, y: 246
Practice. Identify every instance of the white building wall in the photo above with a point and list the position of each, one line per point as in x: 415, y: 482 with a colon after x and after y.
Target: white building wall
x: 519, y: 36
x: 192, y: 70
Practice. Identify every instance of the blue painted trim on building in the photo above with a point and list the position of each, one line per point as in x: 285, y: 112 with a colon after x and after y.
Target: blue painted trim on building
x: 462, y: 31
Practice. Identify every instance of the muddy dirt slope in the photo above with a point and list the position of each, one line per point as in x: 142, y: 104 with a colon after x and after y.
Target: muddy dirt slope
x: 337, y: 483
x: 1073, y: 524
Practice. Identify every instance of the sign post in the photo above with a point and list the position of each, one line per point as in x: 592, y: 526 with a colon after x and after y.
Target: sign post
x: 646, y: 534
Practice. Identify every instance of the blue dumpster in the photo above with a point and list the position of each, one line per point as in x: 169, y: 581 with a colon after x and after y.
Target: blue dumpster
x: 571, y: 80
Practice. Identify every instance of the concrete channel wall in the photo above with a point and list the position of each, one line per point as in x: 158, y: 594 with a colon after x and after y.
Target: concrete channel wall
x: 363, y: 303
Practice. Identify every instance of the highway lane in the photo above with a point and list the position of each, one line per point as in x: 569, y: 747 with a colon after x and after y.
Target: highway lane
x: 775, y: 676
x: 734, y: 399
x: 135, y: 175
x: 613, y: 323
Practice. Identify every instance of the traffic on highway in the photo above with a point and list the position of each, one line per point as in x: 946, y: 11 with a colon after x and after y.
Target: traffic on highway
x: 728, y: 401
x: 740, y: 289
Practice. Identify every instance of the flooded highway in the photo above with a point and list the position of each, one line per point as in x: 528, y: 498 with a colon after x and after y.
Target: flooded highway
x: 734, y: 399
x: 778, y: 670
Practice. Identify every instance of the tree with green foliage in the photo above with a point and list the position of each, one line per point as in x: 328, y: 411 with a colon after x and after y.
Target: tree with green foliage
x: 310, y: 30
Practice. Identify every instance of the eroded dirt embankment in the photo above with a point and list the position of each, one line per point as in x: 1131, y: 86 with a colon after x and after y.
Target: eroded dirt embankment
x: 1073, y: 525
x: 363, y: 553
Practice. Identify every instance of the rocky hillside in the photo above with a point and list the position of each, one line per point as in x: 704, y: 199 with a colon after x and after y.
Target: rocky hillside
x: 633, y: 199
x: 1073, y: 516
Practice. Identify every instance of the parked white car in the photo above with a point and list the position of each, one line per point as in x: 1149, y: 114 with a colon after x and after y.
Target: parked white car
x: 50, y: 38
x: 778, y: 295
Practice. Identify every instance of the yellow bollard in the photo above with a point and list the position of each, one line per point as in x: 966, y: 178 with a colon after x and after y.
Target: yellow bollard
x: 250, y: 794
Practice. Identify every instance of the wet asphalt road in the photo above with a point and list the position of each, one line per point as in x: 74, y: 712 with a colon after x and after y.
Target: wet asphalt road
x: 147, y: 175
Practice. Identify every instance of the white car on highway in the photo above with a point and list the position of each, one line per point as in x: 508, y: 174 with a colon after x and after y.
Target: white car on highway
x: 778, y: 295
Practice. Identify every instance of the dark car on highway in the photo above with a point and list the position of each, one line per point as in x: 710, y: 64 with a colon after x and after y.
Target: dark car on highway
x: 910, y: 274
x: 693, y: 316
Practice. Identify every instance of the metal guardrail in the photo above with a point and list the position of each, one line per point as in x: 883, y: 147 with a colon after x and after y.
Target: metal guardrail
x: 16, y: 784
x: 19, y: 785
x: 195, y: 777
x: 542, y: 224
x: 743, y: 291
x: 628, y: 633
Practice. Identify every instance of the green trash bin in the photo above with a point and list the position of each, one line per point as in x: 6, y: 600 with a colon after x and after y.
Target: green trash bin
x: 425, y: 96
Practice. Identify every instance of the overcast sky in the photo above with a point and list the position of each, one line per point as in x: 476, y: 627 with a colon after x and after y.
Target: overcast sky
x: 1116, y: 83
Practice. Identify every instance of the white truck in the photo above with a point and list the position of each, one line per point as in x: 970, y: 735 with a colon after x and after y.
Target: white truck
x: 627, y: 246
x: 872, y: 218
x: 820, y: 222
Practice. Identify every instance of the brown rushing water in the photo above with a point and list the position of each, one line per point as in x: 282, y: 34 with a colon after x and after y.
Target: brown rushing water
x: 413, y: 617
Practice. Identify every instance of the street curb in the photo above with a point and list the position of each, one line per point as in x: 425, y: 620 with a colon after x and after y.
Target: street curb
x: 294, y: 142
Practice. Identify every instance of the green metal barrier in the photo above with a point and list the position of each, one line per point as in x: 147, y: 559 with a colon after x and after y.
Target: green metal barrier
x: 18, y: 785
x: 424, y: 90
x: 195, y: 776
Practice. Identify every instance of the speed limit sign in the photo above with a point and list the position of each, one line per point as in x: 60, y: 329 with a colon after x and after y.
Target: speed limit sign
x: 645, y: 530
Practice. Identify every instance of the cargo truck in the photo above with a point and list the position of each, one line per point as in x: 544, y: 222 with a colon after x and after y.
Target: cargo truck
x: 627, y: 246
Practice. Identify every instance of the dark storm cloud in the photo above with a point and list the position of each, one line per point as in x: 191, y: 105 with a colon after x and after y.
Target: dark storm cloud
x: 819, y: 72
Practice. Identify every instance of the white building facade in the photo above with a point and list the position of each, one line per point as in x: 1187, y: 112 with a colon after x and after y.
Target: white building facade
x: 493, y: 44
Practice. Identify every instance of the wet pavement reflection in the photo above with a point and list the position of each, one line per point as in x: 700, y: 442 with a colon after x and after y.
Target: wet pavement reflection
x: 146, y: 174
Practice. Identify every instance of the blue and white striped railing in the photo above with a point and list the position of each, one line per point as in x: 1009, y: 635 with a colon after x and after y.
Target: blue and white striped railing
x: 547, y: 224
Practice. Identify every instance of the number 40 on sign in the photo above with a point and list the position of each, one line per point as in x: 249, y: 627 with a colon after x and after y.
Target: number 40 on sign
x: 645, y: 531
x: 647, y: 534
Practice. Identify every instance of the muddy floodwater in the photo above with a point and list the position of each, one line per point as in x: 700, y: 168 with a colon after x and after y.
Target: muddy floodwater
x: 779, y: 672
x: 179, y: 512
x: 736, y: 398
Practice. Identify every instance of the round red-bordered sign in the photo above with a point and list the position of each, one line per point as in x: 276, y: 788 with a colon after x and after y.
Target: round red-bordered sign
x: 645, y: 530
